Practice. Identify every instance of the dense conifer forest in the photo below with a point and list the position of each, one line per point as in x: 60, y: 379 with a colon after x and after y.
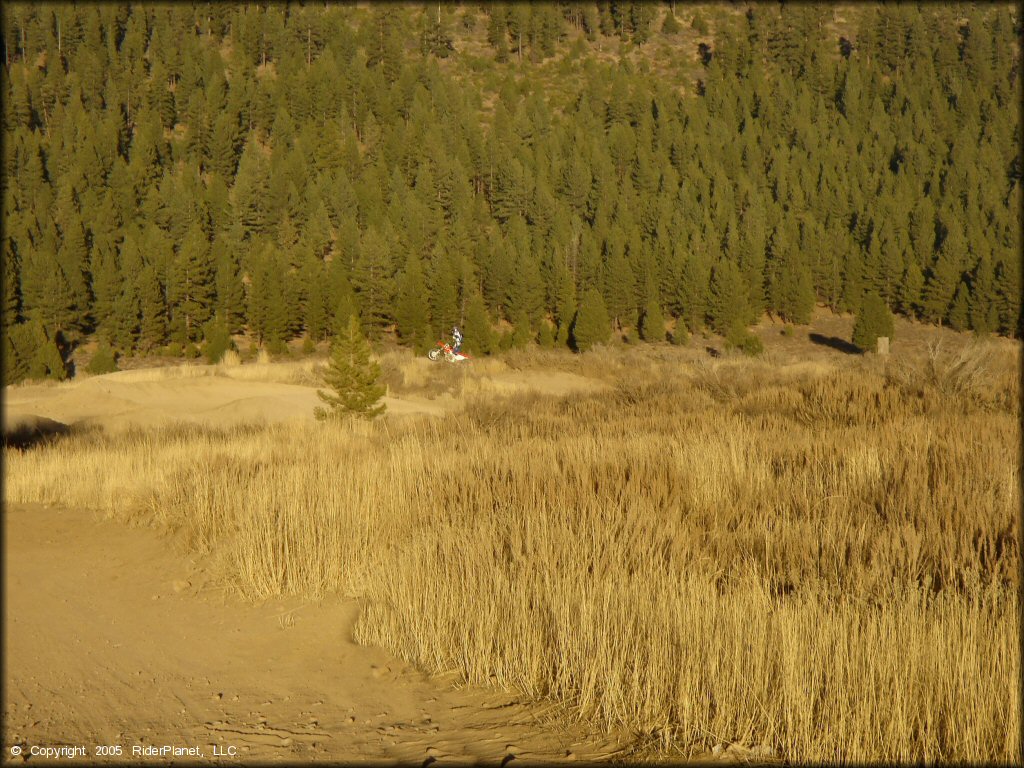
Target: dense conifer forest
x: 176, y: 172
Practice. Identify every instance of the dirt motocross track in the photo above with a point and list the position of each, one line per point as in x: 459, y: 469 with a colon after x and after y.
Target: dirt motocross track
x: 113, y: 638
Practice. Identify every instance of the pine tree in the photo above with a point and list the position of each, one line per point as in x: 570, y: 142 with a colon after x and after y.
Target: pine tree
x: 12, y: 299
x: 959, y: 309
x: 230, y: 291
x: 39, y: 348
x: 313, y: 278
x: 592, y: 324
x: 124, y: 320
x: 411, y: 308
x: 190, y: 286
x: 939, y: 287
x: 442, y: 297
x: 909, y: 292
x: 18, y: 348
x: 107, y: 287
x: 984, y: 313
x: 873, y: 320
x: 497, y: 31
x: 652, y: 324
x: 152, y: 309
x: 478, y: 332
x: 222, y: 157
x: 526, y: 290
x: 373, y: 280
x: 727, y: 302
x: 1007, y: 290
x: 795, y: 292
x: 46, y: 294
x: 345, y: 306
x: 251, y: 191
x: 692, y: 292
x: 352, y: 378
x: 620, y: 288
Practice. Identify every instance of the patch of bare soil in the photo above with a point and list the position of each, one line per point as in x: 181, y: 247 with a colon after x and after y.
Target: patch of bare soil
x: 148, y: 397
x: 113, y: 639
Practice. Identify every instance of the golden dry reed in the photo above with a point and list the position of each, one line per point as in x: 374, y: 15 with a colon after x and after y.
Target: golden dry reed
x: 824, y: 564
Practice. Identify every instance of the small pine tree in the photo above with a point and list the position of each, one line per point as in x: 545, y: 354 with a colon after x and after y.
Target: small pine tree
x: 522, y: 334
x: 679, y: 333
x: 652, y: 324
x: 592, y: 324
x: 873, y: 320
x: 352, y: 376
x: 546, y: 335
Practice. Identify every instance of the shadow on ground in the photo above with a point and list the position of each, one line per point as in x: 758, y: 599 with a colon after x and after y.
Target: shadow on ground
x: 32, y: 431
x: 835, y: 343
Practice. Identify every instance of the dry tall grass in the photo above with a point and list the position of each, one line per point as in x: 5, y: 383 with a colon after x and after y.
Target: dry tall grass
x: 824, y: 562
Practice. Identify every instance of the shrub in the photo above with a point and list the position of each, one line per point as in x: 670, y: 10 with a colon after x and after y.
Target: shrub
x: 104, y: 361
x: 218, y: 340
x: 741, y: 338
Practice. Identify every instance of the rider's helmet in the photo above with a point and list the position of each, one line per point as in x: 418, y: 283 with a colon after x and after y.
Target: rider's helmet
x: 455, y: 330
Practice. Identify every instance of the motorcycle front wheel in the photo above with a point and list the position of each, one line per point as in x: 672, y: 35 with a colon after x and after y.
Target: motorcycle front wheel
x: 434, y: 354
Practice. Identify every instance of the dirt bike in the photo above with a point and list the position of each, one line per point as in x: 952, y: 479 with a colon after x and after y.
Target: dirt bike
x: 444, y: 350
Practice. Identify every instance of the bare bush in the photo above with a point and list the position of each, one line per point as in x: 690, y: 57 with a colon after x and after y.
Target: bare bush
x: 967, y: 375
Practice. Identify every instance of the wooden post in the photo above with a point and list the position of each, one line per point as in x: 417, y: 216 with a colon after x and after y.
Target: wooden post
x: 883, y: 345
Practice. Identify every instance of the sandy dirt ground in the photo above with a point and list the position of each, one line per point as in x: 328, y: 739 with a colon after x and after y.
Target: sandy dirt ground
x: 149, y: 397
x: 112, y: 637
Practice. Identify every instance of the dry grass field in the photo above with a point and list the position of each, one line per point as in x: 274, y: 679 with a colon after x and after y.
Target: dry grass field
x: 819, y: 561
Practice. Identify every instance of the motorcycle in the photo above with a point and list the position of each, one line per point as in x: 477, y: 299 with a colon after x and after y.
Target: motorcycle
x: 444, y: 350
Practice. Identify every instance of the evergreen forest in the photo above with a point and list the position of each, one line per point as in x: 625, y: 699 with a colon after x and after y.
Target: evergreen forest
x: 176, y: 172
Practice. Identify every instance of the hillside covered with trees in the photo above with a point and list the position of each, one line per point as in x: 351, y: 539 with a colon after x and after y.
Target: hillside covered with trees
x: 175, y: 172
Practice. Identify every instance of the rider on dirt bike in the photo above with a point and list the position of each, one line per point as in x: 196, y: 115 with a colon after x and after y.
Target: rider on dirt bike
x: 456, y: 339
